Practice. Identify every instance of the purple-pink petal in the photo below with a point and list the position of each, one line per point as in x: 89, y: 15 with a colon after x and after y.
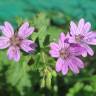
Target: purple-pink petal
x: 59, y: 64
x: 61, y: 42
x: 73, y: 28
x: 54, y: 46
x: 65, y: 68
x: 81, y: 25
x: 72, y: 39
x: 54, y: 53
x: 90, y: 38
x: 91, y: 41
x: 26, y: 45
x: 7, y: 29
x: 78, y: 62
x: 84, y: 53
x: 89, y: 49
x: 77, y: 50
x: 90, y: 35
x: 13, y: 53
x: 62, y: 37
x: 87, y: 27
x: 4, y: 42
x: 73, y: 66
x: 63, y: 45
x: 25, y: 30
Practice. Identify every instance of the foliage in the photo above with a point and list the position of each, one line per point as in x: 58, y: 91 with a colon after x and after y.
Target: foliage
x: 35, y: 75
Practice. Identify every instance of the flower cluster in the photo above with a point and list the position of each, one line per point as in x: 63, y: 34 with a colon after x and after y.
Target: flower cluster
x: 15, y: 41
x: 70, y: 47
x: 67, y: 50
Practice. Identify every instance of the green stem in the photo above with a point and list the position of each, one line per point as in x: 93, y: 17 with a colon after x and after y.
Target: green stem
x: 43, y: 58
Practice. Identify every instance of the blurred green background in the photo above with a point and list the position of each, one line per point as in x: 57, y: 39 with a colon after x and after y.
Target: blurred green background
x: 75, y: 9
x: 29, y: 77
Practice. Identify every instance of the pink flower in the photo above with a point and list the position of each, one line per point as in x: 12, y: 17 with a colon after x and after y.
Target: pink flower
x: 81, y: 34
x: 15, y: 41
x: 67, y: 56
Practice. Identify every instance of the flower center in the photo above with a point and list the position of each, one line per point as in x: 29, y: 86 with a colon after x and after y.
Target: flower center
x: 64, y: 53
x: 79, y: 37
x: 15, y: 40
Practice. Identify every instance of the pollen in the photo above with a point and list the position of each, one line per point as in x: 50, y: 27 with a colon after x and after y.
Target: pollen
x: 15, y: 40
x: 79, y: 38
x: 64, y: 53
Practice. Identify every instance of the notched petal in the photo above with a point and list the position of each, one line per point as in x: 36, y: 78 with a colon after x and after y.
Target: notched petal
x: 4, y: 42
x: 25, y: 30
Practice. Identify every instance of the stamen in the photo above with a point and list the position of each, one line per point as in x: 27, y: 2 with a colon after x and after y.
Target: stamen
x: 64, y: 53
x: 15, y: 40
x: 79, y: 38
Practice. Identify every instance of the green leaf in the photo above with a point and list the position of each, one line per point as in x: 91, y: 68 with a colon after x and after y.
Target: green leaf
x: 75, y: 89
x: 41, y: 22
